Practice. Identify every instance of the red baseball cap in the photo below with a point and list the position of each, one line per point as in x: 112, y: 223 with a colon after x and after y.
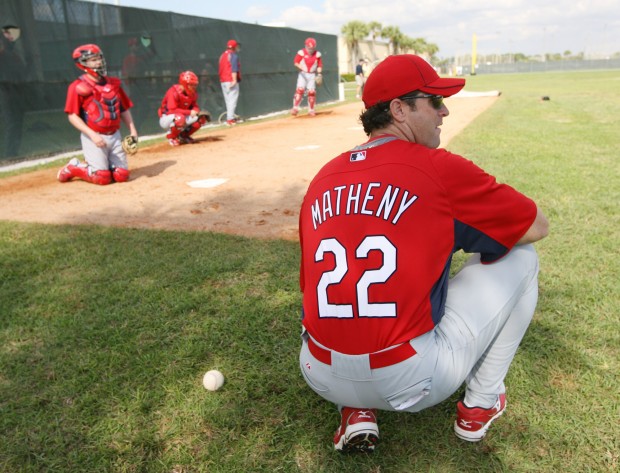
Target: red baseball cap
x: 398, y: 75
x: 232, y: 43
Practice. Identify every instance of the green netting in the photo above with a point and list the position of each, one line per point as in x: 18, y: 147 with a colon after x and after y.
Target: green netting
x: 147, y: 50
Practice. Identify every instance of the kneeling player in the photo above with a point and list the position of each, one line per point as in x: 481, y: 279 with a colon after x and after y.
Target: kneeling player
x: 95, y: 106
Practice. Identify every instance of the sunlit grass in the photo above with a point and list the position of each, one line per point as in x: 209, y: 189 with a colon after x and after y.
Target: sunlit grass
x: 105, y: 333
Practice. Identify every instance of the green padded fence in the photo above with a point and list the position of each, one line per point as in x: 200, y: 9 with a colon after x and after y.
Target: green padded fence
x: 147, y: 50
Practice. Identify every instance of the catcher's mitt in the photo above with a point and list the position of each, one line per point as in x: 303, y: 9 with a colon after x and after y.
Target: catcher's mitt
x: 130, y: 144
x: 204, y: 116
x: 319, y: 80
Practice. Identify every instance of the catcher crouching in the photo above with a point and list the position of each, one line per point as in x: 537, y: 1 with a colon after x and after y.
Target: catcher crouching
x: 179, y: 113
x: 96, y: 105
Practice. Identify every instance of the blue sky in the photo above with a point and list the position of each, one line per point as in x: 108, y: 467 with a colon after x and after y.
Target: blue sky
x: 501, y: 26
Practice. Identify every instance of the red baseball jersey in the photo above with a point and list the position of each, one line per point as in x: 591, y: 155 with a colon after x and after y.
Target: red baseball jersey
x: 99, y: 104
x: 229, y: 63
x: 308, y: 62
x: 178, y: 100
x: 378, y: 228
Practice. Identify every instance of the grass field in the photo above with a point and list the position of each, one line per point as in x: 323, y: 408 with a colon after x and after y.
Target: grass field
x: 105, y: 333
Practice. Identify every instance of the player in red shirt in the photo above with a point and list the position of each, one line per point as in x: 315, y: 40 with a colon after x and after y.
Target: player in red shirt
x: 384, y: 325
x: 96, y: 105
x: 179, y: 111
x: 310, y: 65
x: 230, y: 76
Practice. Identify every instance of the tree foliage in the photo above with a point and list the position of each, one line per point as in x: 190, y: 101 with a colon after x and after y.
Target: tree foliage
x: 356, y: 31
x: 353, y: 32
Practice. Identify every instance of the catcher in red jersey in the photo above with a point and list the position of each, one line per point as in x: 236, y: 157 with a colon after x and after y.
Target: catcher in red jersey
x: 384, y: 326
x: 96, y: 105
x: 310, y: 65
x: 179, y: 112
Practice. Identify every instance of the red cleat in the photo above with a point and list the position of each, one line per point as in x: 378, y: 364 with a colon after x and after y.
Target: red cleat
x: 472, y: 423
x: 358, y: 430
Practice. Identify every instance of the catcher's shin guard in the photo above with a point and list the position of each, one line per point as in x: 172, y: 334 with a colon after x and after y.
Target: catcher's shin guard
x: 77, y: 170
x: 174, y: 133
x: 311, y: 99
x: 120, y: 174
x: 297, y: 98
x: 103, y: 178
x: 65, y: 174
x: 81, y: 172
x: 193, y: 129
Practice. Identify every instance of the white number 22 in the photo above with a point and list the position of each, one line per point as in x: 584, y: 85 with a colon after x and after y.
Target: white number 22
x: 371, y: 276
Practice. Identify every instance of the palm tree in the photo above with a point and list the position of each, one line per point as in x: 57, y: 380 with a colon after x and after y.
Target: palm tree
x: 374, y: 29
x: 353, y: 32
x: 394, y: 35
x: 422, y: 47
x: 431, y: 49
x: 409, y: 45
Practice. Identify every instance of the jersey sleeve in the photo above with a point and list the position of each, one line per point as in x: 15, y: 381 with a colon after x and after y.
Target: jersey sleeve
x: 73, y: 103
x: 298, y: 57
x: 489, y: 217
x: 234, y: 62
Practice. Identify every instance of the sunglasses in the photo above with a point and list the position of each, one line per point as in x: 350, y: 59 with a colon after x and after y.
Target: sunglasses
x: 436, y: 100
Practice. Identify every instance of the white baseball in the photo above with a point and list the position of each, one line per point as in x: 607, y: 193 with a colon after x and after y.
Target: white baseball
x: 213, y: 380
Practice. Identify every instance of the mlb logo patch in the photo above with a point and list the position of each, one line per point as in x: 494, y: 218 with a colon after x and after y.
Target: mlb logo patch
x: 357, y: 156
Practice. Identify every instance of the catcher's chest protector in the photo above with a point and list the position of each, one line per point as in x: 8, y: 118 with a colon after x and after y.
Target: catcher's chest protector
x: 101, y: 106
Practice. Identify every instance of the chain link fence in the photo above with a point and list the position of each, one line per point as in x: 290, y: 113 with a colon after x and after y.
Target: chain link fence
x: 147, y: 50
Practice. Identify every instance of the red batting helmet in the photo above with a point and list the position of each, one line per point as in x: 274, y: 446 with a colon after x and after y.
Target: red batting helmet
x: 232, y: 44
x: 188, y: 79
x: 83, y: 53
x: 310, y: 44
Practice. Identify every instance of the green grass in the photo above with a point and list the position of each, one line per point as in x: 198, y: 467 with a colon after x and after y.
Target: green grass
x: 105, y: 333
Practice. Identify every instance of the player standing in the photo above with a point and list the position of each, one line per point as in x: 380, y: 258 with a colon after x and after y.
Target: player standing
x: 384, y: 326
x: 359, y: 78
x: 95, y: 106
x: 179, y: 111
x: 230, y: 76
x: 310, y: 65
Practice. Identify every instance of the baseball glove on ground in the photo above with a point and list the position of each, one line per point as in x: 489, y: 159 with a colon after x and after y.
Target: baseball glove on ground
x: 130, y: 144
x: 319, y: 80
x: 204, y: 116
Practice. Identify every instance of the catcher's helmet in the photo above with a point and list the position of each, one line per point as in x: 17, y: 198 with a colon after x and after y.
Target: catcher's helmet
x: 188, y: 79
x: 83, y: 53
x: 310, y: 44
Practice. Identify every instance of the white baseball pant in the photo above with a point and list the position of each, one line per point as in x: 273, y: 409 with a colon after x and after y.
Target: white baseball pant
x: 110, y: 156
x: 231, y: 97
x: 488, y: 310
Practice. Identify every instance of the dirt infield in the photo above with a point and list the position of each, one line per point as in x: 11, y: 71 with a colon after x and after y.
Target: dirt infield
x: 262, y: 170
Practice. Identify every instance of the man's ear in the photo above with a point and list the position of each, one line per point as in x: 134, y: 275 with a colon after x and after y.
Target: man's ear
x: 398, y: 109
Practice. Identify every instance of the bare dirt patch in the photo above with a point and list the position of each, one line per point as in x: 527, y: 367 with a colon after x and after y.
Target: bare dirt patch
x: 266, y: 168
